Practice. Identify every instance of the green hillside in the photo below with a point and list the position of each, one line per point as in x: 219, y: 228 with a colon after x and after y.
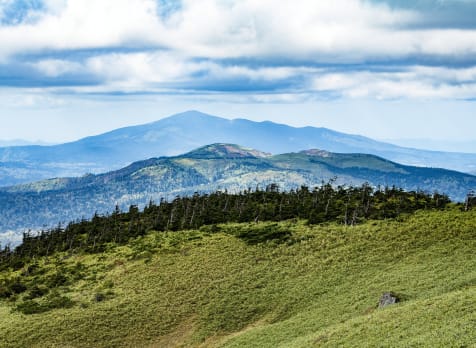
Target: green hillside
x: 214, y: 288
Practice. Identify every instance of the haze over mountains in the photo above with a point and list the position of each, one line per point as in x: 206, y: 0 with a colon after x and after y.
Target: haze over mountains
x: 213, y: 167
x: 183, y: 132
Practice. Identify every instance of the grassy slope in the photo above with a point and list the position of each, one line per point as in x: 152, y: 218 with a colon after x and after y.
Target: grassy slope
x: 201, y: 289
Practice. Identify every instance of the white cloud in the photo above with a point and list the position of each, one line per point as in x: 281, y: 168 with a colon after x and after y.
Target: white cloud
x: 57, y: 67
x: 138, y: 68
x: 184, y: 50
x: 413, y: 82
x: 170, y: 72
x: 144, y: 70
x: 83, y: 24
x: 223, y: 72
x: 463, y: 75
x: 298, y: 29
x: 55, y: 6
x: 338, y: 30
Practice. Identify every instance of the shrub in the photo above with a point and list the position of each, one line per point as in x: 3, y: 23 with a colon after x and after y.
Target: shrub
x: 99, y: 297
x: 262, y: 234
x: 53, y: 301
x: 36, y: 292
x: 5, y: 291
x: 18, y: 288
x: 56, y: 279
x: 103, y: 296
x: 29, y: 307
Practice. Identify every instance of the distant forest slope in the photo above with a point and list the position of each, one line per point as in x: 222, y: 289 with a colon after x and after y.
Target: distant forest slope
x: 207, y: 169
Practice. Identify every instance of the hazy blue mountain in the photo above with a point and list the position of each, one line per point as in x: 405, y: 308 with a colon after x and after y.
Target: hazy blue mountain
x: 209, y: 168
x: 183, y: 132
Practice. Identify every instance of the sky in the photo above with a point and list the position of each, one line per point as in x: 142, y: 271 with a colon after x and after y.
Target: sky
x: 398, y: 70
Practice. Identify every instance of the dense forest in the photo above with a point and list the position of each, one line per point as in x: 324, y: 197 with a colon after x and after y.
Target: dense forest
x: 326, y: 203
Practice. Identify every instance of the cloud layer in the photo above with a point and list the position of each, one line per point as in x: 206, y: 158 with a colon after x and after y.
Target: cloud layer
x: 305, y: 48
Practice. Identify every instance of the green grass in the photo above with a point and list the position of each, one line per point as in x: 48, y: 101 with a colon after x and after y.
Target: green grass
x: 213, y: 288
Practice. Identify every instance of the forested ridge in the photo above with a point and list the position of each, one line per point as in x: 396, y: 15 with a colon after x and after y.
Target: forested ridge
x: 326, y: 203
x: 44, y: 204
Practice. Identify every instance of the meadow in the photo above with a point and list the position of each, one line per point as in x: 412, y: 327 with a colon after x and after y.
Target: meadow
x: 222, y: 286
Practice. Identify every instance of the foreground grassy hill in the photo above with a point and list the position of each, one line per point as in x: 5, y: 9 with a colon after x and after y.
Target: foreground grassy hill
x: 221, y: 287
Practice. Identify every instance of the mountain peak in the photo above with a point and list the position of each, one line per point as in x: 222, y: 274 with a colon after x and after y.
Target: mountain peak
x: 317, y: 153
x: 222, y: 150
x: 191, y: 115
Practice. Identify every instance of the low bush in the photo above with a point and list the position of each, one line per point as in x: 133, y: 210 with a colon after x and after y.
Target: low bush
x: 53, y: 301
x: 261, y: 234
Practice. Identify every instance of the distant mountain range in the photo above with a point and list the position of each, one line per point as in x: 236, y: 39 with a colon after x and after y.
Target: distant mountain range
x: 213, y: 167
x: 183, y: 132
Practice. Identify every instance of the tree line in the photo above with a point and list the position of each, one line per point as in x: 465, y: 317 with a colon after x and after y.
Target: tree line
x: 325, y: 203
